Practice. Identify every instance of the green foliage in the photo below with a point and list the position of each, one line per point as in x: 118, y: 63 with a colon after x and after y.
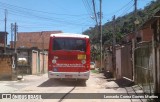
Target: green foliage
x: 95, y: 54
x: 95, y: 71
x: 124, y: 24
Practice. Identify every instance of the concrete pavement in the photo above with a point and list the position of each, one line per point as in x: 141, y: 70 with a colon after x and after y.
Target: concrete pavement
x: 41, y: 84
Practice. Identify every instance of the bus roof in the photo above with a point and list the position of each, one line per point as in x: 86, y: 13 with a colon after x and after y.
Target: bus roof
x: 69, y: 35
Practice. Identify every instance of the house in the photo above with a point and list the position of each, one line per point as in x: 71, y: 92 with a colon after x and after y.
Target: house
x: 146, y: 34
x: 31, y: 51
x: 127, y: 38
x: 124, y: 63
x: 38, y: 40
x: 2, y: 41
x: 147, y: 56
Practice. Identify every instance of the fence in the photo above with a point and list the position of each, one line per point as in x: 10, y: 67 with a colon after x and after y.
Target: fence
x: 144, y: 67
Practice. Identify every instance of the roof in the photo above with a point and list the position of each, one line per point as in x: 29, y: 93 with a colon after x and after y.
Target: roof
x: 69, y: 35
x: 1, y: 32
x: 35, y: 36
x: 151, y: 20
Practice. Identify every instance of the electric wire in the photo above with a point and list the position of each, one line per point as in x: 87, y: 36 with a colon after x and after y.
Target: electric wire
x: 21, y: 12
x: 123, y: 7
x: 126, y: 10
x: 18, y: 7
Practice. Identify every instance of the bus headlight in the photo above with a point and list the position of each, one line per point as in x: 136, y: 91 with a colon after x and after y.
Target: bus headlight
x: 54, y: 61
x: 83, y: 61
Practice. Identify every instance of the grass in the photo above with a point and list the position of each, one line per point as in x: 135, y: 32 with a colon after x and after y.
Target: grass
x: 95, y: 71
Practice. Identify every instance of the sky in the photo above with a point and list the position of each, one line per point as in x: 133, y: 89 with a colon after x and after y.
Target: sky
x: 69, y: 16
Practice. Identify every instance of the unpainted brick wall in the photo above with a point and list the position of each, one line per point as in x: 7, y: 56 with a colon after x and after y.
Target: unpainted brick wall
x: 5, y: 67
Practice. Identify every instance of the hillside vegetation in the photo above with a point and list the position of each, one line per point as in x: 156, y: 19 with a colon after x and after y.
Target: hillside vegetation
x: 124, y: 24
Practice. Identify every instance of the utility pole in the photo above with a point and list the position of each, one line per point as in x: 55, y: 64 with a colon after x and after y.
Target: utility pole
x: 12, y: 29
x: 135, y: 7
x: 15, y: 36
x: 95, y: 17
x: 133, y: 40
x: 113, y: 47
x: 5, y: 38
x: 101, y: 30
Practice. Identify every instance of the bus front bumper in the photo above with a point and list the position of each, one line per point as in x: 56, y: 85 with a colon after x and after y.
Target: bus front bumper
x: 70, y: 75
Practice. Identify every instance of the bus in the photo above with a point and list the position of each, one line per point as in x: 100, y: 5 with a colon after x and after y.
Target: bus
x: 69, y: 56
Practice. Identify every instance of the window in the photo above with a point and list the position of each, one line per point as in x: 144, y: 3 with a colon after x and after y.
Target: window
x: 69, y: 44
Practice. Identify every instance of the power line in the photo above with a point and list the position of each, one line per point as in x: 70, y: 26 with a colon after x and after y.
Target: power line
x: 5, y: 38
x: 29, y: 14
x: 15, y: 10
x: 18, y: 7
x: 25, y: 24
x: 126, y: 10
x: 123, y: 7
x: 44, y: 18
x: 95, y: 14
x: 35, y: 24
x: 87, y: 7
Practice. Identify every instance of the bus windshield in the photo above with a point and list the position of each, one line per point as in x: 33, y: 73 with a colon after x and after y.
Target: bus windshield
x: 69, y: 44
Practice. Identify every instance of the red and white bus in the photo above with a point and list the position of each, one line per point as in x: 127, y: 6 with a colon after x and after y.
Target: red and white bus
x: 69, y: 56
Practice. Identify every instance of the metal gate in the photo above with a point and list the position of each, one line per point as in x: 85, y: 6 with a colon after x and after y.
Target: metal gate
x: 144, y: 67
x: 123, y: 62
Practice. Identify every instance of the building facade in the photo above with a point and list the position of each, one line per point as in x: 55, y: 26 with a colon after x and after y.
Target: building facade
x: 39, y: 40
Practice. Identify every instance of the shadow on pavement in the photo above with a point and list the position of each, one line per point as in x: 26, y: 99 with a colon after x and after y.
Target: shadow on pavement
x: 124, y: 82
x: 62, y: 83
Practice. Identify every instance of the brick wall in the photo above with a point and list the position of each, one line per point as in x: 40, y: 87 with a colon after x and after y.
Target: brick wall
x: 147, y: 34
x: 34, y: 39
x: 5, y: 67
